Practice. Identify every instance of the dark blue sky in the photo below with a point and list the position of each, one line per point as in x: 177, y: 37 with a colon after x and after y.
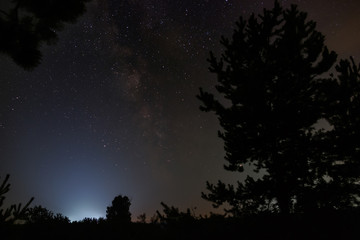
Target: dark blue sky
x: 112, y: 108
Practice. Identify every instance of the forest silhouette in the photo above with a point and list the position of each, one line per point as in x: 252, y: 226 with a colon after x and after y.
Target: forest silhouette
x: 276, y: 82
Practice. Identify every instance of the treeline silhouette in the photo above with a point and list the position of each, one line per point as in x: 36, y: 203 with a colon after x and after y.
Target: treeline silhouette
x: 276, y: 83
x: 172, y: 223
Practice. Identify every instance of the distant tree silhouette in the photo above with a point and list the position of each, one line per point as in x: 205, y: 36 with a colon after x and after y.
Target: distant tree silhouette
x: 172, y: 215
x: 29, y: 24
x: 41, y: 215
x: 14, y: 212
x: 272, y: 92
x: 92, y: 221
x: 119, y: 210
x: 142, y: 218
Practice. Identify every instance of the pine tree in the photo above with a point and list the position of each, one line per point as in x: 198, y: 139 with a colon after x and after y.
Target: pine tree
x: 29, y: 24
x: 14, y: 212
x: 344, y: 176
x: 273, y: 89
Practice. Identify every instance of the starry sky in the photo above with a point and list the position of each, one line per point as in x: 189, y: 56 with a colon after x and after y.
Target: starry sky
x: 112, y: 108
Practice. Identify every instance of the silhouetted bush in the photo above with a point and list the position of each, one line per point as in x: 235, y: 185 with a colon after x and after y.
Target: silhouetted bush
x: 172, y: 215
x: 142, y: 218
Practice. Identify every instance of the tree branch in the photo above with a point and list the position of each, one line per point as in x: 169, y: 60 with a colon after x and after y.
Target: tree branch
x: 3, y: 12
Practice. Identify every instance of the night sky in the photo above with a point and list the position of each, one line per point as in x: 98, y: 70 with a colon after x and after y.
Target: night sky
x: 112, y: 108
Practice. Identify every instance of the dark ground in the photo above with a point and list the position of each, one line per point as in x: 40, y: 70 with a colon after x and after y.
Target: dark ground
x: 335, y: 225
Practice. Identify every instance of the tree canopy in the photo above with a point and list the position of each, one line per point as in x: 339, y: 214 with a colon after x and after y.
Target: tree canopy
x: 119, y: 210
x: 274, y: 89
x: 41, y: 215
x: 29, y: 24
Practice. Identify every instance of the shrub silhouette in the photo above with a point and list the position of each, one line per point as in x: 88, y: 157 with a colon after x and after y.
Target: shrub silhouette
x: 142, y: 218
x: 172, y: 215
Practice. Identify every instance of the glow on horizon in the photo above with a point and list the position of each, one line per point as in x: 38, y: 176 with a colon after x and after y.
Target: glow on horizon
x: 85, y: 212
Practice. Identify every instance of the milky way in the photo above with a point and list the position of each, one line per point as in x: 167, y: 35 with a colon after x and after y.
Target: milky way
x: 112, y: 109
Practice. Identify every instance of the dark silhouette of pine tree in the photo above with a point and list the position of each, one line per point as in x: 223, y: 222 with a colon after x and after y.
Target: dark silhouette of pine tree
x: 14, y: 212
x: 119, y: 210
x: 273, y: 90
x: 343, y: 142
x: 29, y: 24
